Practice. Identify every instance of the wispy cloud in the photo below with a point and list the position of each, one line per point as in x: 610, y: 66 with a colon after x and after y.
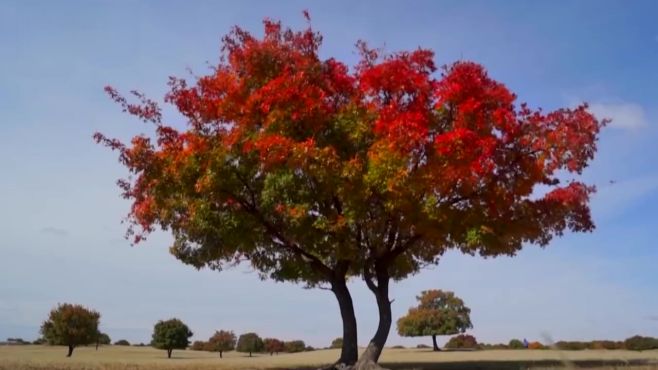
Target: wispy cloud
x: 629, y: 116
x: 54, y: 231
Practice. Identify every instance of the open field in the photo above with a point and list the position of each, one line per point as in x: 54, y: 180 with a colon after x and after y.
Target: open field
x: 146, y: 358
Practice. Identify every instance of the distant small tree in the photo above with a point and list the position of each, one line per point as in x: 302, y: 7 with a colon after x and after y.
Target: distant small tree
x: 249, y: 343
x: 515, y: 344
x: 40, y: 340
x: 462, y: 341
x: 199, y: 345
x: 438, y: 313
x: 640, y: 343
x: 309, y: 349
x: 122, y: 342
x: 171, y: 334
x: 102, y: 339
x: 295, y: 346
x: 221, y: 341
x: 273, y: 345
x: 337, y: 343
x: 71, y: 325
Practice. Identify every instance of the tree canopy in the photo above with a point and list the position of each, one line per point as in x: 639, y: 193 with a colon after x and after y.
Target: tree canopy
x: 71, y: 325
x: 170, y: 334
x: 314, y: 172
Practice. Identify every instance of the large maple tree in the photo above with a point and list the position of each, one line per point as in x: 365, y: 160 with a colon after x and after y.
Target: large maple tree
x: 315, y: 172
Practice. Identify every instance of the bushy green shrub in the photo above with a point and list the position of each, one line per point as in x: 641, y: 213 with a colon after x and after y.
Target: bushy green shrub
x: 571, y: 345
x: 337, y: 343
x: 295, y: 346
x: 464, y: 341
x: 423, y: 346
x: 493, y: 346
x: 122, y: 342
x: 605, y: 344
x: 515, y: 344
x: 640, y: 343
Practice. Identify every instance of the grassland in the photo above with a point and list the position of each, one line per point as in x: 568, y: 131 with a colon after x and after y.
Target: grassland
x: 146, y: 358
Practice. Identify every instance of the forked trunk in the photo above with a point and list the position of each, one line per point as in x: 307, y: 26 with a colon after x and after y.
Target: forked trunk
x: 169, y: 353
x: 349, y: 351
x: 370, y: 356
x: 70, y: 351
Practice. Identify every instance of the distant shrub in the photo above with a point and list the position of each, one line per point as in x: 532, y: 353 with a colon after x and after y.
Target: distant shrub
x: 337, y: 343
x: 397, y: 346
x: 122, y: 342
x: 640, y: 343
x: 309, y: 349
x: 140, y: 344
x: 16, y: 341
x: 198, y: 345
x: 605, y: 344
x: 571, y: 345
x: 40, y: 341
x: 462, y: 341
x: 494, y: 346
x: 536, y: 345
x: 515, y: 344
x: 295, y: 346
x: 423, y: 346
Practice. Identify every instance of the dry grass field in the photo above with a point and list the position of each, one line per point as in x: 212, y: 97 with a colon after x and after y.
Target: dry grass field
x: 146, y: 358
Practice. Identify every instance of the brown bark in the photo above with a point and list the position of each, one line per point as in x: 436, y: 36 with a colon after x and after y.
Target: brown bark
x: 349, y: 351
x: 436, y: 347
x: 70, y: 351
x: 378, y: 285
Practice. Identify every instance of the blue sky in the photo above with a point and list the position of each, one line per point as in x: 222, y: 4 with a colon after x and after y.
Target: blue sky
x: 60, y: 210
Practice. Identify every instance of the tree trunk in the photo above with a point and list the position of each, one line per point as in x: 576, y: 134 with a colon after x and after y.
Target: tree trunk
x: 349, y: 351
x: 370, y: 356
x: 169, y: 353
x: 96, y: 345
x: 70, y: 351
x: 249, y: 353
x: 220, y: 354
x: 436, y: 347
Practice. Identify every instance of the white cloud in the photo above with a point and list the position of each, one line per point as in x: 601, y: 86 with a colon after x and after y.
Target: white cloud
x: 629, y: 116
